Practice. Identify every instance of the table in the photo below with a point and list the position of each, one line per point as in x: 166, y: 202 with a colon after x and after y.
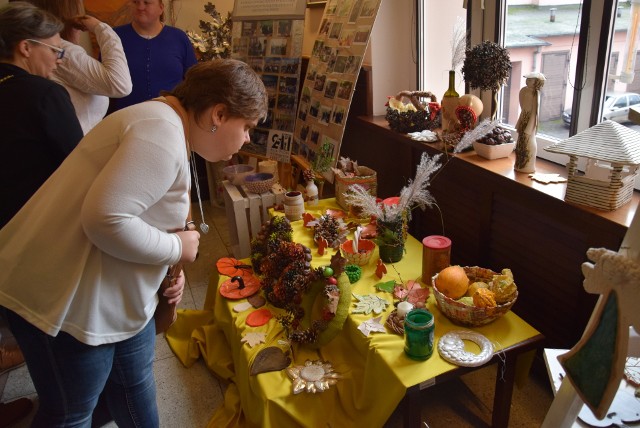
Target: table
x: 377, y: 376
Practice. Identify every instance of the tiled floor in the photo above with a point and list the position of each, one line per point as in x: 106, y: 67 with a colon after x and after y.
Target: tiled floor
x: 188, y: 397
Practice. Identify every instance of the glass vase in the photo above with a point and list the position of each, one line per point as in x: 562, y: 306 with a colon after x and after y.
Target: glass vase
x: 391, y: 239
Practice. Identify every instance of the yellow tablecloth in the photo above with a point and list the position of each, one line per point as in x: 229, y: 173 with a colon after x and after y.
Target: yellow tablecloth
x: 375, y: 371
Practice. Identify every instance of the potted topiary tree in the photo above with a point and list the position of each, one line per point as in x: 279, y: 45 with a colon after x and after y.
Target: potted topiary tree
x: 487, y: 67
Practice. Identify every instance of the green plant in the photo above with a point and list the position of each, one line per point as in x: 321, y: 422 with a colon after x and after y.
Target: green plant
x: 323, y: 159
x: 215, y: 40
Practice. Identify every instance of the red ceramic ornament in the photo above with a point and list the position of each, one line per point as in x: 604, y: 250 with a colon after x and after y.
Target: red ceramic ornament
x: 232, y: 267
x: 258, y: 317
x: 381, y: 269
x: 240, y: 287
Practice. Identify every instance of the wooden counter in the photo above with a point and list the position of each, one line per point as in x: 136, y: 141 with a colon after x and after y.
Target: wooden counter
x: 498, y: 218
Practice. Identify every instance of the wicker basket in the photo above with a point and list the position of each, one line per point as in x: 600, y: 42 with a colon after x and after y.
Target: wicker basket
x: 367, y: 179
x: 459, y: 313
x: 426, y: 117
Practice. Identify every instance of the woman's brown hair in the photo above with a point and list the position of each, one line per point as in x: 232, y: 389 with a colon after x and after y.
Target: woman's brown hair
x: 222, y: 81
x: 64, y: 10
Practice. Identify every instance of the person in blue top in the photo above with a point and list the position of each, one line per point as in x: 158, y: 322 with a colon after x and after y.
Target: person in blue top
x: 158, y: 55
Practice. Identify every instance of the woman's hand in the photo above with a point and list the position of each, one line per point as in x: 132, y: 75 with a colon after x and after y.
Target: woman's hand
x: 86, y: 23
x: 190, y: 242
x: 174, y: 292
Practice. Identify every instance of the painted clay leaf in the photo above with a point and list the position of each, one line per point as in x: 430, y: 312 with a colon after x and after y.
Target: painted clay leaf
x: 417, y: 295
x: 369, y: 303
x: 386, y: 286
x: 371, y: 326
x: 254, y: 338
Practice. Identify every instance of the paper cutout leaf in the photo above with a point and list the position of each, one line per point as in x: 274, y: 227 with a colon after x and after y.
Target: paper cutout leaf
x: 547, y: 178
x: 254, y: 338
x: 386, y: 286
x: 369, y: 303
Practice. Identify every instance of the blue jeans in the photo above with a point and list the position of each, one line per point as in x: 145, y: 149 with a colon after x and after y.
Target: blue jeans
x: 69, y: 376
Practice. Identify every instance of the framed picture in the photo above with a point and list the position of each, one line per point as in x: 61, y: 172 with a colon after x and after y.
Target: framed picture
x: 314, y: 3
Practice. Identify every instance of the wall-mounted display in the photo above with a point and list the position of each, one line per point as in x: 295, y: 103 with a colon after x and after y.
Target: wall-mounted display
x: 328, y: 85
x: 268, y: 37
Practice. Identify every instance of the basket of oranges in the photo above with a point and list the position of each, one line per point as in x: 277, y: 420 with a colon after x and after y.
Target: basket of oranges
x: 474, y: 296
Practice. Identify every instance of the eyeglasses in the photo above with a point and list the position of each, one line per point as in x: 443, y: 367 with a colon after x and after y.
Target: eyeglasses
x: 56, y: 50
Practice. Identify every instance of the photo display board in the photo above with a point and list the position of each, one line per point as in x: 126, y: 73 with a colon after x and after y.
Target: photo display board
x: 331, y: 77
x: 268, y: 36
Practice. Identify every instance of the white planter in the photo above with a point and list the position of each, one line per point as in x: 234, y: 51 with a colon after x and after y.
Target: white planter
x: 493, y: 152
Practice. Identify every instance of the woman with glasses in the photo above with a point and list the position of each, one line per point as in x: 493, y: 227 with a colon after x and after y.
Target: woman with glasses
x: 38, y: 121
x: 90, y: 82
x: 158, y: 55
x: 81, y: 263
x: 39, y: 127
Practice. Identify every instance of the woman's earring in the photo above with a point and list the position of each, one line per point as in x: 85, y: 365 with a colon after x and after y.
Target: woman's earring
x: 214, y: 129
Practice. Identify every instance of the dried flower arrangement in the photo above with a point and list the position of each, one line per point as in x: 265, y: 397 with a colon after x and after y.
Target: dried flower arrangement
x: 414, y: 194
x: 215, y: 40
x: 486, y: 66
x: 458, y: 42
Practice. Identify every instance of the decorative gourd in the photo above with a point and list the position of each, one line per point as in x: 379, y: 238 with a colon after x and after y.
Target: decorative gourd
x: 473, y: 287
x: 484, y: 298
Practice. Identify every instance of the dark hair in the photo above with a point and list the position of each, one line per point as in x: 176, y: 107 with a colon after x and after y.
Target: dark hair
x: 20, y: 20
x: 65, y: 10
x: 222, y: 81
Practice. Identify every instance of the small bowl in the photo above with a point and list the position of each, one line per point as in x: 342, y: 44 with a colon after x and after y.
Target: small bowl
x: 237, y: 173
x: 260, y: 182
x: 498, y: 151
x: 362, y: 257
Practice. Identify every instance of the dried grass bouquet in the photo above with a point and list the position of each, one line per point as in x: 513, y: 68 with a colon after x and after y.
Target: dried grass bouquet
x: 414, y: 194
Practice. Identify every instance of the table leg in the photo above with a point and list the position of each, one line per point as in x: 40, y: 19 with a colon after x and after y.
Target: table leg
x: 411, y: 409
x: 505, y: 378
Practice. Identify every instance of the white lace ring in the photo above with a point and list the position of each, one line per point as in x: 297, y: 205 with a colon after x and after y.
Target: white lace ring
x: 451, y: 348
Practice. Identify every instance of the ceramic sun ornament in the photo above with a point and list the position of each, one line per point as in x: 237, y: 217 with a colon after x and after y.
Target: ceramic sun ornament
x: 313, y: 376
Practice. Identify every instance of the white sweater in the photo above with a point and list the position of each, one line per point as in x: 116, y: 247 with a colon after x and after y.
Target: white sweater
x: 87, y: 252
x: 91, y: 83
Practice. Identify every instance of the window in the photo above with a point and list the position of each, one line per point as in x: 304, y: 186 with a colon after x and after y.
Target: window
x: 590, y: 75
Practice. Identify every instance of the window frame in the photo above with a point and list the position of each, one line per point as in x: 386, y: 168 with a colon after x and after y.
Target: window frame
x: 486, y: 20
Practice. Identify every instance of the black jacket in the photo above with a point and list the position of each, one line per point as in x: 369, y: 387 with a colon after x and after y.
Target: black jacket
x: 38, y: 129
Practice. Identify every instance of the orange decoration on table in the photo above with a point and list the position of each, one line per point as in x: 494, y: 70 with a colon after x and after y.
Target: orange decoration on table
x: 336, y: 213
x: 322, y: 245
x: 240, y: 287
x: 381, y: 269
x: 232, y: 267
x: 259, y: 317
x: 306, y: 218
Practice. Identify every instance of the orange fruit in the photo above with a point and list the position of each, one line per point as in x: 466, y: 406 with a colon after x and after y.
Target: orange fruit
x: 452, y: 281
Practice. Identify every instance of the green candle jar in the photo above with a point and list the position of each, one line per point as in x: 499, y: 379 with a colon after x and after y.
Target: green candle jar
x: 419, y: 328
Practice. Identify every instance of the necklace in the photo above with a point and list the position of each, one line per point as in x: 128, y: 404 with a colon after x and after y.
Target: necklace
x: 204, y: 227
